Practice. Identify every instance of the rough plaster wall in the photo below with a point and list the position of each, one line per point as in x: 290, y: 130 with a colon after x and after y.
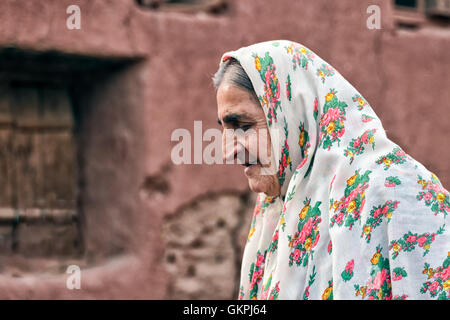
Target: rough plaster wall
x: 204, y: 246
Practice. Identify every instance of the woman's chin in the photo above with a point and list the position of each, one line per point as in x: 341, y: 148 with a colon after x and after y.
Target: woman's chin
x: 266, y: 184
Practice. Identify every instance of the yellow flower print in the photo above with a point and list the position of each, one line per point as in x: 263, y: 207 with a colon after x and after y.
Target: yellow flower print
x: 396, y: 247
x: 387, y: 161
x: 360, y: 101
x: 423, y: 183
x: 389, y: 214
x: 326, y: 293
x: 352, y: 179
x: 303, y: 213
x: 321, y: 74
x: 375, y: 258
x: 362, y: 291
x: 329, y: 96
x: 282, y: 220
x: 371, y: 139
x: 380, y: 294
x: 351, y: 206
x: 289, y: 49
x: 447, y: 285
x: 252, y: 231
x: 440, y: 197
x: 303, y: 50
x: 434, y: 176
x: 258, y: 63
x: 367, y: 229
x: 308, y: 243
x: 334, y: 205
x: 301, y: 140
x: 264, y: 102
x: 330, y: 127
x: 254, y: 298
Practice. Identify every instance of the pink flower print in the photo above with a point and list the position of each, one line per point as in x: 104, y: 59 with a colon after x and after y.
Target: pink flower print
x: 275, y: 236
x: 308, y: 226
x: 267, y: 75
x: 260, y: 260
x: 366, y: 118
x: 421, y: 241
x: 307, y: 291
x: 316, y: 240
x: 306, y: 230
x: 352, y: 195
x: 411, y: 239
x: 434, y: 286
x: 341, y: 132
x: 297, y: 254
x: 385, y: 210
x: 379, y: 279
x: 339, y: 218
x: 364, y: 137
x: 284, y: 160
x: 349, y: 266
x: 334, y: 113
x: 400, y: 153
x: 437, y: 188
x: 397, y: 277
x: 326, y: 119
x: 445, y: 274
x: 428, y: 196
x: 356, y: 143
x: 316, y: 105
x: 377, y: 212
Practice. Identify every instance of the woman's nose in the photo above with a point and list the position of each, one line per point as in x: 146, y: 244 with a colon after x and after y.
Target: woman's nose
x: 231, y: 150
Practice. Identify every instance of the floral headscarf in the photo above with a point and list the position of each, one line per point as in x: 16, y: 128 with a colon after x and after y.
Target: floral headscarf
x: 357, y: 217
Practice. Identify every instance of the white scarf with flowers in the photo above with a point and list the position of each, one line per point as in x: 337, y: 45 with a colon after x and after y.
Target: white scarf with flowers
x: 357, y: 217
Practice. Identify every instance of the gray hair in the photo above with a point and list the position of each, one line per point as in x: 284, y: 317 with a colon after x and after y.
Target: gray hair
x: 232, y: 72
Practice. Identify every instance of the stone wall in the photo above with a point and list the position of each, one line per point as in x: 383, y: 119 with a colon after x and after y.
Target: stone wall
x: 204, y: 245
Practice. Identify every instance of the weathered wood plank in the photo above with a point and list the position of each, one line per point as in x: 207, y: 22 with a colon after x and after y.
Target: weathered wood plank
x: 25, y: 106
x: 6, y: 168
x: 59, y: 170
x: 28, y: 170
x: 5, y: 107
x: 56, y: 108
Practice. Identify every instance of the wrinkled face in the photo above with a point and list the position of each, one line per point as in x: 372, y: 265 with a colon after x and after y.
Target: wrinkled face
x: 246, y: 138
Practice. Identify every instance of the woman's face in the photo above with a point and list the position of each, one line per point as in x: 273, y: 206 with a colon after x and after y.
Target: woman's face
x: 250, y: 146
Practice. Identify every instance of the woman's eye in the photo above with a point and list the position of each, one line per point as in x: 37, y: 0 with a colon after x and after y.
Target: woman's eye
x: 246, y: 127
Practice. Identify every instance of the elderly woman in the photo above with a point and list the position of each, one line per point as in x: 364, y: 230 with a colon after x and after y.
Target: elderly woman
x: 347, y: 214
